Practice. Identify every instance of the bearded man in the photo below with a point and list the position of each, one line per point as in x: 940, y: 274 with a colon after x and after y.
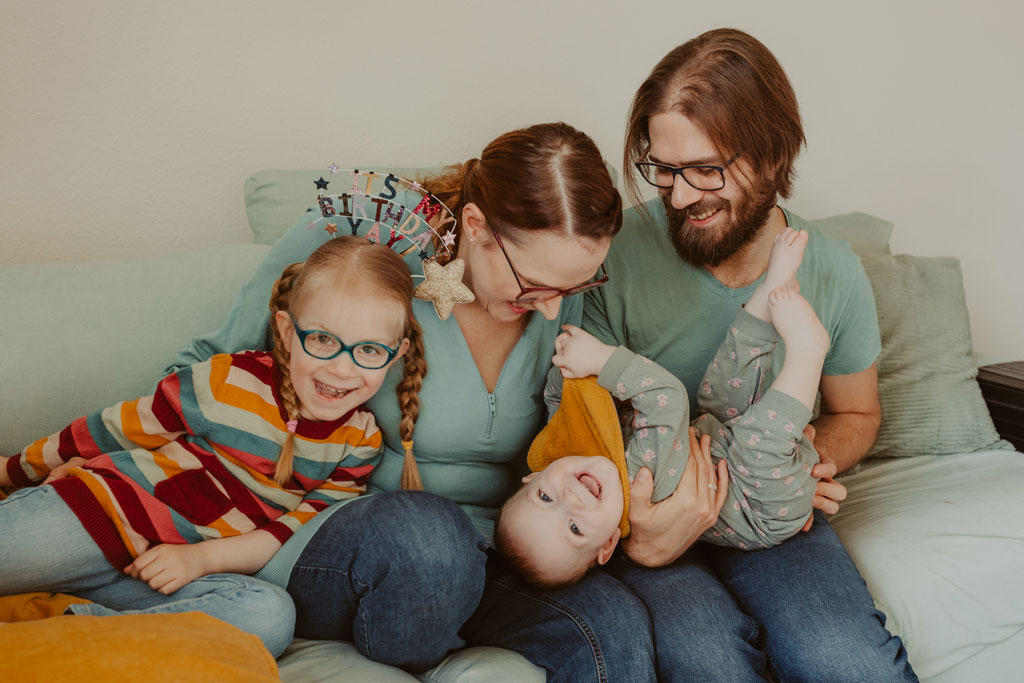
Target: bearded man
x: 716, y: 129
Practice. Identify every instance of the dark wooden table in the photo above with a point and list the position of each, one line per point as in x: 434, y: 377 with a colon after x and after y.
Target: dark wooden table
x: 1002, y: 385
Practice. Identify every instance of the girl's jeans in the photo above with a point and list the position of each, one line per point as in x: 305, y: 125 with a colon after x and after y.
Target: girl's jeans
x: 43, y: 547
x: 407, y: 578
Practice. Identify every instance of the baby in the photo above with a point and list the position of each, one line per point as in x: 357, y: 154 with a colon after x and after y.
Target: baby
x: 572, y: 510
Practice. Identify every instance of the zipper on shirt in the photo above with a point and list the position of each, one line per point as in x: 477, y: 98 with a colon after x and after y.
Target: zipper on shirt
x: 491, y: 414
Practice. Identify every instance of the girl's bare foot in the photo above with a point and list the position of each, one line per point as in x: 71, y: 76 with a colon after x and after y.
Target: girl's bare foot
x: 786, y: 256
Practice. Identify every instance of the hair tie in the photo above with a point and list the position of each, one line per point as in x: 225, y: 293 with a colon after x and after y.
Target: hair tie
x: 292, y: 425
x: 407, y: 445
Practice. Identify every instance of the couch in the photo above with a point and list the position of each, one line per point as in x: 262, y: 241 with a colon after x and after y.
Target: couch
x: 934, y: 520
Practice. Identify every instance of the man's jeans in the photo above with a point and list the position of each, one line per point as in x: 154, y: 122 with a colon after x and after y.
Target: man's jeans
x: 800, y: 610
x: 43, y: 547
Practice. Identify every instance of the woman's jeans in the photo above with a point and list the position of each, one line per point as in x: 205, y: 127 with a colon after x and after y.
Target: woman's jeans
x: 405, y: 576
x: 44, y: 547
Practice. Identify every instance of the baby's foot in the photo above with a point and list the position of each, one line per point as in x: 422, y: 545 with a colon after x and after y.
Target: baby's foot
x: 785, y: 258
x: 787, y: 254
x: 806, y: 343
x: 797, y: 323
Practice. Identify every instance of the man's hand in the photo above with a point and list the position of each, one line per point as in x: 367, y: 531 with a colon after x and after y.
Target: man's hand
x: 579, y: 353
x: 61, y: 471
x: 660, y: 532
x: 828, y: 493
x: 168, y: 567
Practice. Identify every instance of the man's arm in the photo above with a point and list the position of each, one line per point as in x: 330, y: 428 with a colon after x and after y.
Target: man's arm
x: 850, y: 417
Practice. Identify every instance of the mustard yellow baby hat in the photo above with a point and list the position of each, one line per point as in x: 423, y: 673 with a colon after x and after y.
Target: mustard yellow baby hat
x: 584, y: 424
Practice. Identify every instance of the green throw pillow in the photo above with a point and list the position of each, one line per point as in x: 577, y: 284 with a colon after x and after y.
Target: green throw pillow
x: 864, y: 232
x: 931, y: 402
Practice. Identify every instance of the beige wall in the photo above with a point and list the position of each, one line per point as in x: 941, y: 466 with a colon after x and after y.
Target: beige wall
x: 129, y: 127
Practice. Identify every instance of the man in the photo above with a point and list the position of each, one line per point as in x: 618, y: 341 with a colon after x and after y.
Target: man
x: 716, y: 129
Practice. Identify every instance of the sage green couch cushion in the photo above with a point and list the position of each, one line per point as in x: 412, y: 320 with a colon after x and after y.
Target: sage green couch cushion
x: 927, y: 379
x: 77, y: 337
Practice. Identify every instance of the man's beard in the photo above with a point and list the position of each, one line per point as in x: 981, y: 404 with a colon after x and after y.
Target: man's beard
x: 700, y: 246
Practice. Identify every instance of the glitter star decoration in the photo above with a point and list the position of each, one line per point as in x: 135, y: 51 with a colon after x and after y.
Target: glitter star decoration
x: 449, y: 238
x: 321, y: 184
x: 443, y: 286
x: 331, y: 228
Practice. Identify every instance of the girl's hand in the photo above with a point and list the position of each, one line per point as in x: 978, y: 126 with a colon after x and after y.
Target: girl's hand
x: 61, y: 471
x: 168, y: 567
x: 579, y: 353
x: 660, y: 532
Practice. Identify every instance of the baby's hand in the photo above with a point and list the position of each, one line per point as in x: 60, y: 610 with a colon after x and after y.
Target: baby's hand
x: 579, y: 353
x: 168, y: 567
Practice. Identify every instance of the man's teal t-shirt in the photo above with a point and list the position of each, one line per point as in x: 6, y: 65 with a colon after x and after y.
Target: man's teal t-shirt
x: 662, y: 307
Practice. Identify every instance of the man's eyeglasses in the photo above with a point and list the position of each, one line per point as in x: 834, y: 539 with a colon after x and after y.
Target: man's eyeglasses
x: 533, y: 295
x: 325, y: 346
x: 704, y: 177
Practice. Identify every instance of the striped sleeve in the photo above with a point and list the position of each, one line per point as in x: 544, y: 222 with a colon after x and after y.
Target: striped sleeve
x: 148, y: 422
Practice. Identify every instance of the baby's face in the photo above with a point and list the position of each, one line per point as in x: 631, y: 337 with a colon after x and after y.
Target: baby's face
x: 567, y: 515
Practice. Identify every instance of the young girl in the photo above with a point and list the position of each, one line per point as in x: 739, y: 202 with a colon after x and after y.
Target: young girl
x: 570, y: 515
x: 189, y: 489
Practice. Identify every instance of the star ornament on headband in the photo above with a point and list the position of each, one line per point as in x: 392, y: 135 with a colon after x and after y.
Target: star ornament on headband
x: 372, y: 208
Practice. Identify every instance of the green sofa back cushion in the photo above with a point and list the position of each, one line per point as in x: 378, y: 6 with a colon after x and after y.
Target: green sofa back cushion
x: 77, y: 337
x: 931, y: 401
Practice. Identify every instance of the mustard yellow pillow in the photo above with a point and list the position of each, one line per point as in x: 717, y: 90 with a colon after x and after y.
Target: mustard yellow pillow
x: 156, y: 648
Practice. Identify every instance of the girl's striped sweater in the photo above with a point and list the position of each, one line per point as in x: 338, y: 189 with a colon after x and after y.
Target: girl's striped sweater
x: 195, y: 461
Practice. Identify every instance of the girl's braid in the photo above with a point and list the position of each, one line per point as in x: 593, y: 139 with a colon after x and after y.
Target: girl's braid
x: 408, y: 390
x: 282, y: 357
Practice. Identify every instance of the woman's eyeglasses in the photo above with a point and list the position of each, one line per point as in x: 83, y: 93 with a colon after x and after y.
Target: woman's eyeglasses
x: 533, y: 295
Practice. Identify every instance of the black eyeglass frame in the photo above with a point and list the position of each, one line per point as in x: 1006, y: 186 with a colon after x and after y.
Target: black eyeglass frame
x: 680, y: 171
x: 555, y: 292
x: 345, y: 348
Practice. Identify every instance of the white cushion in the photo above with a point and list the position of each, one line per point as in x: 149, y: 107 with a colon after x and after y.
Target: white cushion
x: 940, y: 542
x: 312, y: 661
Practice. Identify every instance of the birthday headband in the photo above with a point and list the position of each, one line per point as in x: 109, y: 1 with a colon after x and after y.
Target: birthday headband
x: 381, y: 219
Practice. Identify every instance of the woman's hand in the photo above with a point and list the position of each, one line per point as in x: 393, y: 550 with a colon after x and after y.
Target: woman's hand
x: 168, y: 567
x: 5, y: 480
x: 829, y: 492
x: 61, y: 471
x: 660, y: 532
x: 579, y: 353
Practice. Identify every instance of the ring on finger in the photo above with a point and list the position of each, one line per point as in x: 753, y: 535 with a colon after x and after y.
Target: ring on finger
x: 713, y: 486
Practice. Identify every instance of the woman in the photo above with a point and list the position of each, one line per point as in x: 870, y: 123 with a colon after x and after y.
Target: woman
x: 400, y: 572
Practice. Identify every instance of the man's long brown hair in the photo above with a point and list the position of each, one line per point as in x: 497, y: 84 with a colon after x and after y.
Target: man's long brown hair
x: 734, y: 89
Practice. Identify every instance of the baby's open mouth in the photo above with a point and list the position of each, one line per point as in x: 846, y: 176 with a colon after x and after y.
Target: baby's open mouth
x: 592, y: 484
